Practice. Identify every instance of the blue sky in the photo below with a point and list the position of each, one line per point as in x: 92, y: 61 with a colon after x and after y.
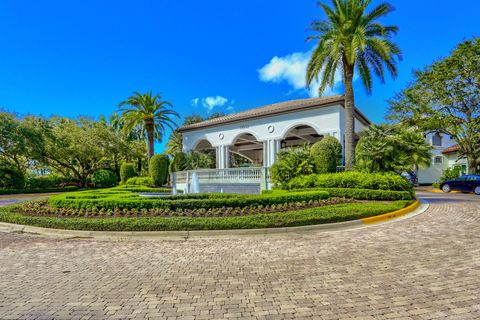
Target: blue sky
x: 83, y: 57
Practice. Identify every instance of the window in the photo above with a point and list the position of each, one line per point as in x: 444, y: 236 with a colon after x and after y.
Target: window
x: 437, y: 140
x: 438, y: 160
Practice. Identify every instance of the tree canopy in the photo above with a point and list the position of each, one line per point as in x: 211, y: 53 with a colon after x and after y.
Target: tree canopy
x: 445, y: 97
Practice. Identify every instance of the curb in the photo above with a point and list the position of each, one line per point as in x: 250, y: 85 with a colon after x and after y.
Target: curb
x: 412, y: 210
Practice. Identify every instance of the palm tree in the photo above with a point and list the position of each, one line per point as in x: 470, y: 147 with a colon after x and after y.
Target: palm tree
x: 351, y: 40
x: 151, y: 114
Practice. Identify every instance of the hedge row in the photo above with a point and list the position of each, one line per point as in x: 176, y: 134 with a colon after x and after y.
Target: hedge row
x: 130, y: 201
x: 327, y: 214
x: 351, y: 179
x: 368, y: 194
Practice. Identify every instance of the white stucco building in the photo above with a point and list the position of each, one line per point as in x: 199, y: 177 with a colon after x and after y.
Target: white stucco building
x: 258, y: 134
x: 445, y: 155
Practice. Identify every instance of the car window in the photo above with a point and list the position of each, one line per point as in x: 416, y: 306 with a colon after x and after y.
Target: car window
x: 461, y: 179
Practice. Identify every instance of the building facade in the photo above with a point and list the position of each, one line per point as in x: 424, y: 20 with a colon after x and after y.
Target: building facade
x: 444, y: 155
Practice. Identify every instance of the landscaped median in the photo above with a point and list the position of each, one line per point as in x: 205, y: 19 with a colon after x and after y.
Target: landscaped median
x: 125, y: 209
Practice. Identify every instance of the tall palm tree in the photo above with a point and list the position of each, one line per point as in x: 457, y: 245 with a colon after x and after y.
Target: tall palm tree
x: 150, y: 113
x: 351, y: 40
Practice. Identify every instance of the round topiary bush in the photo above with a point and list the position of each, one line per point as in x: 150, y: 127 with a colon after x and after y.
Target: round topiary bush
x: 159, y: 169
x: 327, y: 154
x: 127, y: 171
x: 104, y: 178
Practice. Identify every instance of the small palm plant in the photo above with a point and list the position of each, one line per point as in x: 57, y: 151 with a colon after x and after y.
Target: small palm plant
x: 150, y: 113
x: 352, y: 40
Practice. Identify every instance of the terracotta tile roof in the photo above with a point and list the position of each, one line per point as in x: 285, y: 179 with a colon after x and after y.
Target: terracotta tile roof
x: 276, y: 108
x: 451, y: 149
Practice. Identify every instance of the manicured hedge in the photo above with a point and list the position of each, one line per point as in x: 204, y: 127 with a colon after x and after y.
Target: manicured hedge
x: 127, y: 171
x: 116, y: 200
x: 368, y: 194
x: 141, y: 181
x: 327, y: 214
x: 351, y: 179
x: 159, y: 169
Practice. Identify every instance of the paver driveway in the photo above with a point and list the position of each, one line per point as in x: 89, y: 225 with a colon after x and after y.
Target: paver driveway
x: 426, y: 267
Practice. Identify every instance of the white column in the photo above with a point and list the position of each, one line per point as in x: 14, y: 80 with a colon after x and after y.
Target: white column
x: 272, y: 148
x: 223, y: 157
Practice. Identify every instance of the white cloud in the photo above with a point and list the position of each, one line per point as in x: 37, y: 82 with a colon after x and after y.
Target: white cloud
x: 212, y: 102
x: 292, y: 70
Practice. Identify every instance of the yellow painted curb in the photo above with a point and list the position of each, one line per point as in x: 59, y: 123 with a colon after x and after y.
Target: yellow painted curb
x: 391, y: 215
x: 440, y: 191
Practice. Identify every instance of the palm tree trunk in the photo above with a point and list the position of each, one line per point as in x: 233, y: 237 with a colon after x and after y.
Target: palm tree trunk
x: 349, y: 118
x: 150, y: 139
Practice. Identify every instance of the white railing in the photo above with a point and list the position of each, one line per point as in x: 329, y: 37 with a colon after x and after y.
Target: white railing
x: 247, y: 175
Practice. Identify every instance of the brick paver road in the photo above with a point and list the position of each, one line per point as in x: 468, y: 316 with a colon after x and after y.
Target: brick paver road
x: 426, y: 267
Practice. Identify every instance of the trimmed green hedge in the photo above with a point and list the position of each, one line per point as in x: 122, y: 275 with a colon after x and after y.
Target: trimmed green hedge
x: 351, y: 179
x: 115, y: 199
x: 367, y: 194
x: 159, y: 169
x: 140, y: 181
x: 127, y: 171
x: 320, y: 215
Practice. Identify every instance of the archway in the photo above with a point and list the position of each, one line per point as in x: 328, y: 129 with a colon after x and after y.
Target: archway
x: 246, y: 150
x: 300, y: 135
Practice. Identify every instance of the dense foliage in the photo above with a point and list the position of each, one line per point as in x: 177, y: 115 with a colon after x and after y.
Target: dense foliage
x: 104, y: 178
x: 318, y: 215
x: 119, y: 199
x: 445, y: 97
x: 127, y: 171
x: 384, y: 148
x: 292, y: 163
x: 327, y: 154
x: 73, y: 149
x: 159, y: 169
x: 352, y: 40
x: 355, y: 180
x: 140, y: 181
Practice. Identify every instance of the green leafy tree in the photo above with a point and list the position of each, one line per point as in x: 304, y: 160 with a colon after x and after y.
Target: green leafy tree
x: 199, y: 160
x: 149, y: 112
x: 74, y: 147
x: 16, y: 142
x: 352, y: 40
x: 445, y: 97
x: 384, y: 148
x: 327, y: 154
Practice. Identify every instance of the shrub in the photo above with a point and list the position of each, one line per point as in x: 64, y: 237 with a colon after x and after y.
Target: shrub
x: 327, y: 154
x: 140, y: 181
x: 325, y: 214
x: 450, y: 174
x: 351, y: 179
x: 104, y: 178
x: 292, y: 163
x: 368, y: 194
x: 179, y: 162
x: 10, y: 178
x: 127, y: 171
x: 115, y: 199
x: 47, y: 181
x: 159, y: 169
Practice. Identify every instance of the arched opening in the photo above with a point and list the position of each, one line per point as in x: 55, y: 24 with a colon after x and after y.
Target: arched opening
x: 300, y: 135
x: 246, y: 151
x: 203, y: 156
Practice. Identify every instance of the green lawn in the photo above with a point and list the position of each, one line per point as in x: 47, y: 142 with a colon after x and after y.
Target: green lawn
x: 320, y: 215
